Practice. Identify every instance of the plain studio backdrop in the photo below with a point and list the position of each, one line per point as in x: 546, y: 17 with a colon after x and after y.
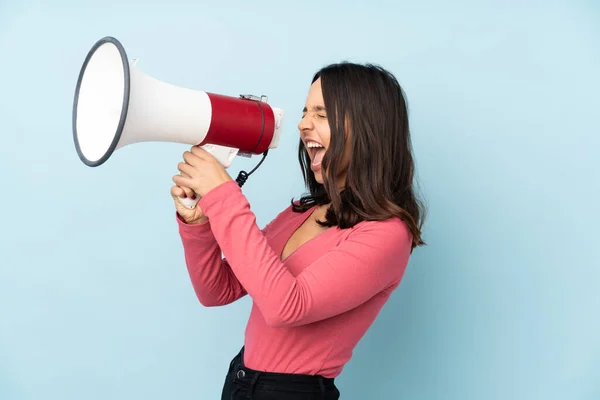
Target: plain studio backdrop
x: 503, y: 303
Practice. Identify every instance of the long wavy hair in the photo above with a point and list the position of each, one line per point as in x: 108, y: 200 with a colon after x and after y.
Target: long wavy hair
x: 366, y: 105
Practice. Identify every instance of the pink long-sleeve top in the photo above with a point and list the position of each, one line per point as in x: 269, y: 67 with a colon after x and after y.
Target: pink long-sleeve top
x: 310, y: 310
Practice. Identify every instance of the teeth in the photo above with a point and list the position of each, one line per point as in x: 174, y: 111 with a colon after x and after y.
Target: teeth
x: 313, y: 144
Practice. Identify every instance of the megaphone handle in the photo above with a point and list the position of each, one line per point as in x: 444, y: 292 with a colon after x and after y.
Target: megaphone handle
x: 189, y: 203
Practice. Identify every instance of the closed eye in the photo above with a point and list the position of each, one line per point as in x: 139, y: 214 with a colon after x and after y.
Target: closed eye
x: 316, y: 109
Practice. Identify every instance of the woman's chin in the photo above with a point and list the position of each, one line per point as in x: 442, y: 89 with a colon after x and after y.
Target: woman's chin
x: 318, y: 176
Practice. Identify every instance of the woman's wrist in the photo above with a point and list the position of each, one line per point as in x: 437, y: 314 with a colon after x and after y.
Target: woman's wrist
x: 198, y: 221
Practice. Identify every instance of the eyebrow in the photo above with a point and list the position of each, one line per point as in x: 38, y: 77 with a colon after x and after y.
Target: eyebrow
x: 314, y: 108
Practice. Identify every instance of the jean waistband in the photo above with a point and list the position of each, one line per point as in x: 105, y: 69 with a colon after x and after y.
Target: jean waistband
x: 241, y: 373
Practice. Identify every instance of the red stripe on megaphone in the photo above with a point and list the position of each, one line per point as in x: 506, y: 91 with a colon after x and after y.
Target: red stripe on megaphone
x: 244, y: 124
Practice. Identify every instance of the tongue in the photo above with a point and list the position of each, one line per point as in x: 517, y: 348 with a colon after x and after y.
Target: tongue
x: 318, y: 157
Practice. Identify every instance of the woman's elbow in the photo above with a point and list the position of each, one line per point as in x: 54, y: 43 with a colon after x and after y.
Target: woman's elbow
x: 209, y: 301
x: 218, y: 300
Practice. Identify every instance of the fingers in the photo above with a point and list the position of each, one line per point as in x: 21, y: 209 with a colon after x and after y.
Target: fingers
x: 176, y: 191
x: 194, y: 157
x: 188, y: 192
x: 187, y: 171
x: 200, y: 152
x: 183, y: 183
x: 183, y: 192
x: 189, y: 158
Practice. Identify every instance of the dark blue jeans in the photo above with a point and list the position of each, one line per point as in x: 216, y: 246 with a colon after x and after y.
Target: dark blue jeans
x: 242, y: 383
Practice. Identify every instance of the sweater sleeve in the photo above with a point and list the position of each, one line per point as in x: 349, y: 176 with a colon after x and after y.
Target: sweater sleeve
x: 370, y: 260
x: 211, y: 276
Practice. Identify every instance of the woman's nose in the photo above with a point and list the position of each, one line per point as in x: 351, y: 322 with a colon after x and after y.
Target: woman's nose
x: 305, y: 123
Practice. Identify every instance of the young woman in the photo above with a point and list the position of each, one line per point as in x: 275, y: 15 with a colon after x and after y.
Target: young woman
x: 320, y: 272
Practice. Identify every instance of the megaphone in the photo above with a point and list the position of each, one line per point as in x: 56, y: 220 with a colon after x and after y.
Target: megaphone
x: 116, y: 104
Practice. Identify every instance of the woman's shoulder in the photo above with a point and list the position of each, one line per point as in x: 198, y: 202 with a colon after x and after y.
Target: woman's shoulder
x: 392, y: 230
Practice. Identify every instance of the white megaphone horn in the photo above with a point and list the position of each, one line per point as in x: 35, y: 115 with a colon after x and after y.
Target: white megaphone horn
x: 116, y: 104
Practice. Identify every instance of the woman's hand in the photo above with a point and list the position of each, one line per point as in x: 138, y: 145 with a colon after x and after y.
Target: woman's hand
x: 189, y: 215
x: 200, y: 173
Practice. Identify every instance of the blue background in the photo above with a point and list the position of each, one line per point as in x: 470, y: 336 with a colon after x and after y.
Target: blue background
x: 95, y: 301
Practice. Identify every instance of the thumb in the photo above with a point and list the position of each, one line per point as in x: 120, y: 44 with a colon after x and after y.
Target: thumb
x: 186, y: 203
x: 178, y: 195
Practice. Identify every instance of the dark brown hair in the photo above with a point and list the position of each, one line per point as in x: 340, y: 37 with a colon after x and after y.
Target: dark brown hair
x: 366, y: 105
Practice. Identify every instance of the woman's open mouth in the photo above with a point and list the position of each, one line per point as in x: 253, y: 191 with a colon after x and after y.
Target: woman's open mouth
x: 316, y: 152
